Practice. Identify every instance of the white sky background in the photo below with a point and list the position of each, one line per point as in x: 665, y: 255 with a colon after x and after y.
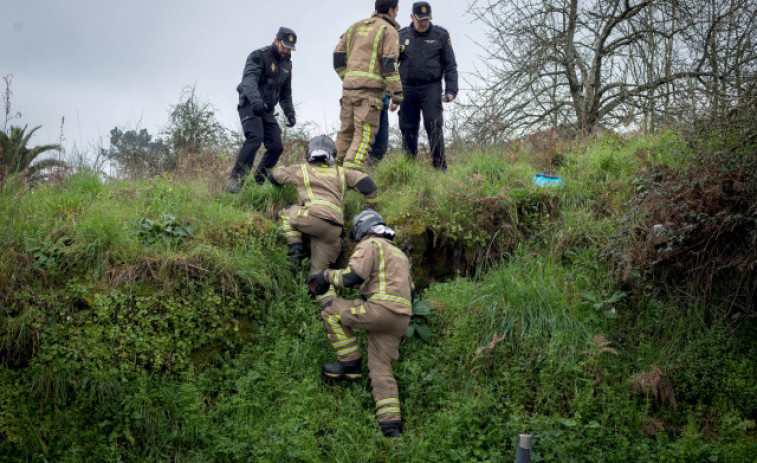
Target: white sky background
x: 103, y: 63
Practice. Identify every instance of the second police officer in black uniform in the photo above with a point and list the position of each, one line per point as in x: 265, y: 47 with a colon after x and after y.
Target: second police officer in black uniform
x: 267, y: 80
x: 426, y: 58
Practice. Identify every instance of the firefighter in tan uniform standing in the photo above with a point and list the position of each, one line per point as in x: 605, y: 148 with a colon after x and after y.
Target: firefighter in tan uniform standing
x: 382, y: 271
x: 321, y: 186
x: 366, y: 60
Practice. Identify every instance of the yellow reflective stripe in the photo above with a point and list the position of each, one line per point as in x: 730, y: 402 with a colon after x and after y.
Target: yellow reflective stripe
x: 341, y: 177
x: 342, y: 74
x: 313, y: 201
x: 393, y: 79
x: 328, y: 294
x: 337, y: 345
x: 375, y: 48
x: 355, y: 311
x: 289, y: 232
x: 364, y: 74
x: 390, y: 400
x: 334, y: 321
x: 363, y: 144
x: 390, y: 298
x: 353, y: 166
x: 382, y: 267
x: 306, y: 181
x: 337, y: 277
x: 387, y: 411
x: 322, y: 202
x: 348, y: 350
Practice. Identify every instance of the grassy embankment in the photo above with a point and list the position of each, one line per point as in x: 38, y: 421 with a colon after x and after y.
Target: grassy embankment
x: 192, y: 340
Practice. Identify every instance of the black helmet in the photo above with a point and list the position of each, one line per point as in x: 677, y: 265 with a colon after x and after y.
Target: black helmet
x: 321, y: 148
x: 363, y: 222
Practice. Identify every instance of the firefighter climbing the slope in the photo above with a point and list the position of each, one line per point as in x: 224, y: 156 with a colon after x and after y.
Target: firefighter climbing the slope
x: 382, y: 271
x: 321, y: 186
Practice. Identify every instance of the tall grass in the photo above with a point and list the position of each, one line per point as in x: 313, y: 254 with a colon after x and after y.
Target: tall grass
x: 116, y: 350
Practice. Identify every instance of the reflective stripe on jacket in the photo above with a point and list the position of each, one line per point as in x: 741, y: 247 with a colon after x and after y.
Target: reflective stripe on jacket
x: 385, y: 270
x: 367, y: 55
x: 321, y: 187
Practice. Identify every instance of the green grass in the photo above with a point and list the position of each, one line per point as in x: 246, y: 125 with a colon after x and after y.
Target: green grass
x: 116, y: 349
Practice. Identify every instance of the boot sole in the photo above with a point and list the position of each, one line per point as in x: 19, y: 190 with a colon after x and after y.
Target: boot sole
x: 347, y: 377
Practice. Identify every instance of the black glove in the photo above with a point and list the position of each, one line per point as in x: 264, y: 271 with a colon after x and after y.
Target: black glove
x: 291, y: 120
x: 317, y: 283
x: 259, y: 108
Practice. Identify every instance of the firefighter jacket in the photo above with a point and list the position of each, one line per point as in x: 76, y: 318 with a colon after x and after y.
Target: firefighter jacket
x: 321, y: 187
x: 427, y: 57
x: 382, y: 270
x: 267, y: 77
x: 366, y: 56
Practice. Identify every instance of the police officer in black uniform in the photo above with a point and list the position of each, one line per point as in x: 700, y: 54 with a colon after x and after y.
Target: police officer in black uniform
x: 426, y: 57
x: 267, y: 80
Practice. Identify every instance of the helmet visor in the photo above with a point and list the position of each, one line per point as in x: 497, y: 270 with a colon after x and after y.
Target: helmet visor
x: 320, y: 153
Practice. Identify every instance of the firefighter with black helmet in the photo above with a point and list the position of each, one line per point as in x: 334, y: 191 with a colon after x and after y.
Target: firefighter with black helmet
x: 382, y: 272
x: 321, y: 186
x: 366, y: 60
x: 266, y: 81
x: 426, y: 58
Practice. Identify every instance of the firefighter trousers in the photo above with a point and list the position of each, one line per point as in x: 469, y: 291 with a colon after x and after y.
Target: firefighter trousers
x: 384, y: 330
x: 360, y: 115
x: 325, y: 237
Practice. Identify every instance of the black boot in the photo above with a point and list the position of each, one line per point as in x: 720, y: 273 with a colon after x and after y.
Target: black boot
x: 391, y: 428
x: 296, y: 253
x: 343, y: 370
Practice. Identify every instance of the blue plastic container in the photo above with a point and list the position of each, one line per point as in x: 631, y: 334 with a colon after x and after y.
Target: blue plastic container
x: 547, y: 181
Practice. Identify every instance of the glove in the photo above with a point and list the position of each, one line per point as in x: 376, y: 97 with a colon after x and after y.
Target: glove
x: 317, y: 283
x: 259, y: 108
x: 291, y: 120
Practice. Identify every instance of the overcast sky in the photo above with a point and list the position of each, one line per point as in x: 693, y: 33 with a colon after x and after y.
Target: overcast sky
x: 105, y: 63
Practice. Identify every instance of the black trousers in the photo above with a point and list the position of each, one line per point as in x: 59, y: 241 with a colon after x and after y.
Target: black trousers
x: 423, y: 99
x: 257, y: 130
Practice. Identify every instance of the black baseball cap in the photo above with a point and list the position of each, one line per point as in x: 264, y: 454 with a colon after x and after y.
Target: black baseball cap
x: 421, y: 10
x: 287, y: 37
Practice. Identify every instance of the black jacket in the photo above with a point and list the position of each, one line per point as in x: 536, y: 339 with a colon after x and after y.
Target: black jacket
x: 268, y: 78
x: 427, y: 57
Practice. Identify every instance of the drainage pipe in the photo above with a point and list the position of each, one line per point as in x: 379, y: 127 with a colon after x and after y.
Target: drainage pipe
x: 524, y: 448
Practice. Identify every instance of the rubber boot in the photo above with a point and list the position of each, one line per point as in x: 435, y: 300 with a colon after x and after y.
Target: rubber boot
x: 343, y: 370
x: 391, y: 428
x: 296, y: 253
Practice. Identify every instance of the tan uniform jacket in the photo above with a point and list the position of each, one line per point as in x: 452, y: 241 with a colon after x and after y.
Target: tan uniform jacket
x: 367, y: 55
x: 321, y: 188
x: 385, y: 270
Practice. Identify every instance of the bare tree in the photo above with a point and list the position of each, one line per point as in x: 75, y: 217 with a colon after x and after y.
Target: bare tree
x: 593, y: 63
